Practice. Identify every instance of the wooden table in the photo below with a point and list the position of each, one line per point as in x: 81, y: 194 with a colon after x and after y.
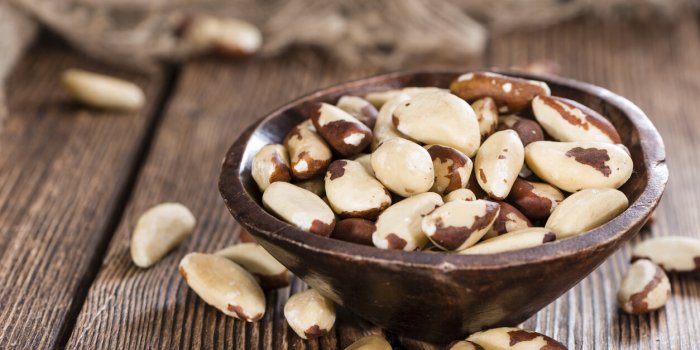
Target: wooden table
x: 73, y: 181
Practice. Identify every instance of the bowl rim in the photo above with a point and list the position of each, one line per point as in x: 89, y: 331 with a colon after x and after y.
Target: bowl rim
x: 259, y: 222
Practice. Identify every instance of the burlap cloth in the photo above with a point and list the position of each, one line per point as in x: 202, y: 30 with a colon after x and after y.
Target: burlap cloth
x: 142, y: 33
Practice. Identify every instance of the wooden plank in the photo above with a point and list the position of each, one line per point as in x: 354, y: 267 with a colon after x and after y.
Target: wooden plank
x: 656, y: 66
x: 214, y: 101
x: 63, y: 174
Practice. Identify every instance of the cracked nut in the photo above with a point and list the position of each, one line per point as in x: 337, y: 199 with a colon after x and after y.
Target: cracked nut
x: 347, y: 135
x: 224, y: 285
x: 535, y: 199
x: 514, y: 338
x: 404, y: 167
x: 352, y: 192
x: 498, y: 163
x: 460, y: 194
x: 370, y: 342
x: 269, y: 273
x: 528, y: 130
x: 585, y: 210
x: 299, y: 207
x: 459, y: 224
x: 672, y: 253
x: 399, y: 226
x: 509, y: 219
x: 158, y: 231
x: 567, y: 120
x: 644, y: 288
x: 359, y: 108
x: 573, y: 166
x: 452, y: 168
x: 487, y: 116
x: 384, y: 127
x: 309, y: 153
x: 439, y: 118
x: 309, y: 314
x: 227, y: 36
x: 354, y: 230
x: 270, y: 164
x: 511, y: 94
x: 520, y: 239
x: 101, y: 91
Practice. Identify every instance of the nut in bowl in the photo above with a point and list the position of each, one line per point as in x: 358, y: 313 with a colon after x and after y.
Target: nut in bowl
x: 442, y: 296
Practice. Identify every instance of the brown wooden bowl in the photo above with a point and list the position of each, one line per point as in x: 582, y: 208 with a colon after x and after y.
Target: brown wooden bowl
x: 442, y: 297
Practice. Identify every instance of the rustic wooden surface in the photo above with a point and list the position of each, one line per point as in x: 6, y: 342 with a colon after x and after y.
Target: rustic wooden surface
x: 73, y: 182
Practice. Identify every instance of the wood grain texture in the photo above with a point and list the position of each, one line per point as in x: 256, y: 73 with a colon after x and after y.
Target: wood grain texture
x: 654, y: 65
x: 63, y: 173
x: 657, y: 67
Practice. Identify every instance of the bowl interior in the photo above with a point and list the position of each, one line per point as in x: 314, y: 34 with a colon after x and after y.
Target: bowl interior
x: 643, y: 190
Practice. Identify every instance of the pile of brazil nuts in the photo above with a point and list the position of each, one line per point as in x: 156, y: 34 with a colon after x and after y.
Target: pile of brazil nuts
x: 492, y: 164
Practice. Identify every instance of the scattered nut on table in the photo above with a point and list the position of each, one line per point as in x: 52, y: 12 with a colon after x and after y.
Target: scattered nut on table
x: 309, y: 314
x: 224, y: 285
x: 101, y: 91
x: 227, y: 36
x: 269, y: 273
x: 159, y: 230
x: 370, y: 342
x: 671, y: 253
x: 644, y: 288
x: 514, y: 338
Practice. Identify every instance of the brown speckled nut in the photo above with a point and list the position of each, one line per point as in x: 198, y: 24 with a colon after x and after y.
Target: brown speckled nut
x: 309, y: 314
x: 459, y: 224
x: 509, y: 219
x: 536, y: 200
x: 644, y: 288
x: 514, y: 338
x: 511, y: 94
x: 308, y: 154
x: 528, y: 130
x: 452, y: 168
x: 567, y: 120
x: 347, y: 135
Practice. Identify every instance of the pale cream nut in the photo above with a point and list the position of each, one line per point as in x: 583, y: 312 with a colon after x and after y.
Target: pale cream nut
x: 309, y: 314
x: 101, y: 91
x: 399, y: 226
x: 644, y: 288
x: 299, y: 207
x: 224, y: 285
x: 506, y: 338
x: 586, y: 210
x: 352, y: 192
x: 567, y: 120
x: 672, y: 253
x: 159, y: 230
x: 256, y: 260
x: 498, y: 163
x: 370, y: 342
x: 521, y: 239
x: 404, y: 167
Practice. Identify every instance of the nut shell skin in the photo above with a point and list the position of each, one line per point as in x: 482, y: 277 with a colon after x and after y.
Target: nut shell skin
x: 309, y: 154
x: 498, y: 163
x: 671, y: 253
x: 459, y: 224
x: 224, y: 285
x: 355, y: 230
x: 567, y: 120
x: 309, y: 314
x: 528, y: 130
x: 452, y: 168
x: 573, y: 166
x: 511, y: 94
x: 514, y: 338
x: 534, y: 199
x: 399, y: 226
x: 585, y: 210
x: 352, y: 192
x: 404, y: 167
x: 347, y: 135
x: 439, y: 118
x: 299, y: 207
x: 644, y: 288
x: 270, y: 164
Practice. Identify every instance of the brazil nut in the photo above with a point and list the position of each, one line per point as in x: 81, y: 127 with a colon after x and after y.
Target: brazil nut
x: 452, y: 168
x: 567, y: 120
x: 359, y: 108
x: 510, y: 94
x: 573, y: 166
x: 509, y: 219
x: 355, y: 230
x: 299, y: 207
x: 460, y: 194
x: 258, y: 262
x: 672, y: 253
x: 404, y: 167
x: 487, y: 116
x: 585, y: 210
x: 352, y: 192
x: 308, y: 152
x: 528, y: 130
x: 498, y: 163
x: 644, y: 288
x: 399, y: 226
x: 347, y: 135
x: 534, y: 199
x: 270, y: 164
x: 514, y: 338
x: 309, y: 314
x: 384, y: 128
x: 520, y: 239
x: 459, y: 224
